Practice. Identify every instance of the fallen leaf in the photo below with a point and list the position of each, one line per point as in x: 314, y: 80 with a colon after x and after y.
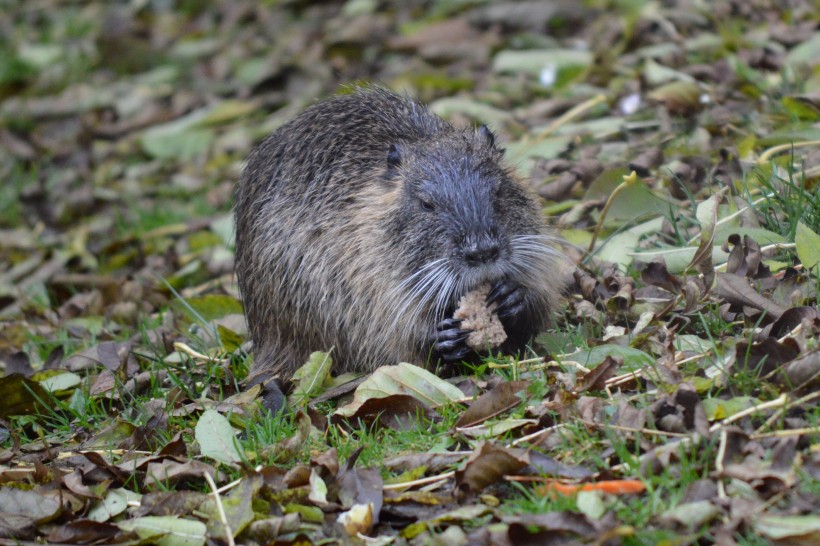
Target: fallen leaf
x: 403, y: 379
x: 487, y: 464
x: 217, y: 439
x: 492, y: 403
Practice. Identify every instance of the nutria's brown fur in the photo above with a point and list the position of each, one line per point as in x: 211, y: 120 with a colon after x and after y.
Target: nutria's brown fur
x: 360, y: 224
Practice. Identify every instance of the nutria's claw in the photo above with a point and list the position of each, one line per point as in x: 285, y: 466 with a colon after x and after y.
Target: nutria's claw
x: 508, y: 297
x: 456, y: 355
x: 449, y: 339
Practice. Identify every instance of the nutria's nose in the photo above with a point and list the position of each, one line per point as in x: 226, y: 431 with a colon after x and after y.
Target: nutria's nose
x: 484, y: 252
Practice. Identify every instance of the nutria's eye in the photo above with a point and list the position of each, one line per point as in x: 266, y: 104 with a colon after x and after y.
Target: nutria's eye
x: 426, y: 204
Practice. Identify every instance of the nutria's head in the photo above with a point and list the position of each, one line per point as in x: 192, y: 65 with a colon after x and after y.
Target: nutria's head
x: 463, y: 219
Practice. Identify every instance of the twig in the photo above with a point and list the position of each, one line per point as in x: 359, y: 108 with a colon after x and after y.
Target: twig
x: 222, y: 517
x: 228, y: 486
x: 786, y: 433
x: 774, y: 150
x: 647, y: 431
x: 571, y: 114
x: 541, y: 432
x: 777, y: 402
x: 183, y: 348
x: 776, y: 415
x: 724, y: 435
x: 624, y: 378
x: 420, y: 481
x: 629, y: 180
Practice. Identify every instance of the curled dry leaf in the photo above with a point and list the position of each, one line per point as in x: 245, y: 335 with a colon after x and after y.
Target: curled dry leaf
x: 487, y: 465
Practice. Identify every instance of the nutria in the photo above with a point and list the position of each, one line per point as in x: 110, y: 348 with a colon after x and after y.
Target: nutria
x: 360, y: 224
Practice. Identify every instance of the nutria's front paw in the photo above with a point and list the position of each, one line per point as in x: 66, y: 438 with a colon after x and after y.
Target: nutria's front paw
x: 509, y: 298
x: 449, y: 341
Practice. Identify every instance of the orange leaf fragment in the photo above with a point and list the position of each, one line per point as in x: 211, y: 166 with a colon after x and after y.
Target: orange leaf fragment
x: 610, y: 487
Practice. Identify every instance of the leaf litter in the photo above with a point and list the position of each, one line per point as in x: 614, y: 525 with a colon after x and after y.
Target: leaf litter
x: 675, y: 148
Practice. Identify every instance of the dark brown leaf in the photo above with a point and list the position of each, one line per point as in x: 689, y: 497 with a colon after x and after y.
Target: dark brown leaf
x: 168, y: 471
x: 487, y: 464
x: 765, y: 357
x: 595, y: 380
x: 361, y: 486
x: 396, y: 411
x: 736, y: 290
x: 552, y: 528
x: 492, y: 403
x: 86, y: 531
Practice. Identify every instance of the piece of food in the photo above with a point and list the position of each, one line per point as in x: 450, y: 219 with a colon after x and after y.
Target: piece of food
x: 474, y: 314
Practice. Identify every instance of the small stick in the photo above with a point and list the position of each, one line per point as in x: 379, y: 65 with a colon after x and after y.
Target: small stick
x: 786, y: 433
x: 782, y: 400
x: 629, y: 180
x: 571, y: 114
x: 222, y: 517
x: 774, y: 150
x: 420, y: 481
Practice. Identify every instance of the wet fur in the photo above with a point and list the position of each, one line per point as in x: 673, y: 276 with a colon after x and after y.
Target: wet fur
x: 335, y: 246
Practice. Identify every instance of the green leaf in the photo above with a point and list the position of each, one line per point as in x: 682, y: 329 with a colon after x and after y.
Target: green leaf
x: 473, y: 109
x: 760, y: 235
x: 678, y: 96
x: 237, y: 506
x: 677, y: 259
x: 692, y: 515
x: 404, y: 379
x: 591, y: 504
x: 534, y: 61
x: 181, y: 139
x: 634, y: 359
x: 806, y: 53
x: 230, y: 340
x: 209, y: 307
x: 114, y: 504
x: 524, y: 152
x: 632, y: 202
x: 618, y: 248
x: 789, y: 527
x: 224, y: 227
x: 605, y: 183
x: 311, y: 376
x: 61, y: 382
x: 784, y: 136
x: 802, y: 107
x: 716, y: 408
x: 217, y: 438
x: 227, y: 111
x: 183, y: 145
x: 166, y: 530
x: 312, y: 514
x: 41, y: 55
x: 20, y: 396
x: 807, y: 244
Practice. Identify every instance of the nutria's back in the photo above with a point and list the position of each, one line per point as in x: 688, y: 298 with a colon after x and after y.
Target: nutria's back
x: 361, y: 222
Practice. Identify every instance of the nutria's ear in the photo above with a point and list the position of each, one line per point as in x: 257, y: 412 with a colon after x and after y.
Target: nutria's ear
x: 393, y: 157
x: 489, y: 137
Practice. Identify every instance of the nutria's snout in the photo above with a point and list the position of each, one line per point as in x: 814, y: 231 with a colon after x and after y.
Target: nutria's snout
x: 481, y: 251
